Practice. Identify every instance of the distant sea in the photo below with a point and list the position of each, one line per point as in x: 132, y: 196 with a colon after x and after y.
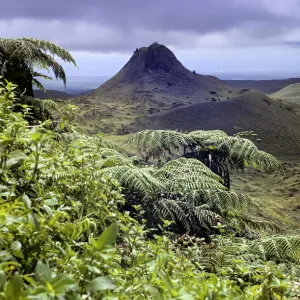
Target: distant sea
x: 81, y: 84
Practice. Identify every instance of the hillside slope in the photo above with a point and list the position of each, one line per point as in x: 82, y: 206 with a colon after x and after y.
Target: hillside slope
x: 278, y: 127
x: 152, y: 81
x: 263, y: 86
x: 290, y: 94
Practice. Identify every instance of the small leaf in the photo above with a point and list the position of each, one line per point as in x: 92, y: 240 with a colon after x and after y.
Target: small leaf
x: 14, y: 157
x: 62, y: 125
x: 35, y: 136
x: 52, y: 201
x: 93, y: 269
x: 16, y: 245
x: 48, y: 210
x: 101, y: 283
x: 34, y: 221
x: 107, y: 238
x: 26, y: 201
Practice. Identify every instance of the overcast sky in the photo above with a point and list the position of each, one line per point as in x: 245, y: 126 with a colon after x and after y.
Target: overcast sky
x: 206, y: 35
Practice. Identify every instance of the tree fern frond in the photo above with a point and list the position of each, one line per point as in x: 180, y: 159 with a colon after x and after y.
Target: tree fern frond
x: 136, y: 179
x: 258, y: 224
x: 42, y: 104
x: 290, y: 269
x: 38, y: 84
x: 278, y: 248
x: 181, y: 167
x: 112, y: 161
x: 206, y: 218
x: 173, y: 210
x: 155, y: 142
x: 221, y: 200
x: 266, y: 161
x: 37, y: 74
x: 109, y: 145
x: 52, y: 48
x: 201, y: 136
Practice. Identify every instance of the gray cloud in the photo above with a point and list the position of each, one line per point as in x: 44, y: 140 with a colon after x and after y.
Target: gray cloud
x: 111, y: 25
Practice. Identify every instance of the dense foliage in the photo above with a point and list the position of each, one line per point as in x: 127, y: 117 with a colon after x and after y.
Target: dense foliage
x: 66, y: 233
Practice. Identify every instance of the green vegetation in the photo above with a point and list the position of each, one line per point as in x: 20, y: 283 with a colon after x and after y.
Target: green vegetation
x: 80, y: 219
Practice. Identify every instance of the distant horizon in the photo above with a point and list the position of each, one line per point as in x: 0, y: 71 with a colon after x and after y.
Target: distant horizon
x: 78, y: 83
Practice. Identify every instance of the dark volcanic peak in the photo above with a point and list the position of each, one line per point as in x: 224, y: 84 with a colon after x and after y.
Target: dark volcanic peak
x: 157, y: 58
x: 155, y: 74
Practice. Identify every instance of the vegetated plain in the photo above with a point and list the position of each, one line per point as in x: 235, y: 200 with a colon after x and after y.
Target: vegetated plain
x: 82, y: 217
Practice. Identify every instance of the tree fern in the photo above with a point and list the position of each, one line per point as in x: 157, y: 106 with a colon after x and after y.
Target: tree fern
x: 19, y: 58
x: 239, y: 151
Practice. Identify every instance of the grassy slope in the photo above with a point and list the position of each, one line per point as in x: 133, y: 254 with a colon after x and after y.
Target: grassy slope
x: 277, y: 195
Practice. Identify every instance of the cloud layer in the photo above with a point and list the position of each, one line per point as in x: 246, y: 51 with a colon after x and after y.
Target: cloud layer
x: 120, y: 26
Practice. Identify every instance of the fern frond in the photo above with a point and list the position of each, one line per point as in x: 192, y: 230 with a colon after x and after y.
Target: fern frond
x: 38, y: 84
x: 188, y: 174
x: 155, y: 142
x: 173, y: 210
x: 42, y: 104
x: 266, y: 161
x: 220, y: 200
x: 278, y: 248
x: 52, y: 48
x: 201, y: 136
x: 37, y: 74
x: 112, y: 161
x: 205, y: 217
x: 258, y: 224
x: 136, y: 179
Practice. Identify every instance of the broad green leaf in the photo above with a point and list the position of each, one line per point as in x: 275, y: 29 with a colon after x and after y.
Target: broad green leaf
x: 156, y: 295
x: 14, y: 157
x: 107, y: 238
x: 61, y: 283
x: 101, y: 283
x: 43, y: 271
x: 13, y: 287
